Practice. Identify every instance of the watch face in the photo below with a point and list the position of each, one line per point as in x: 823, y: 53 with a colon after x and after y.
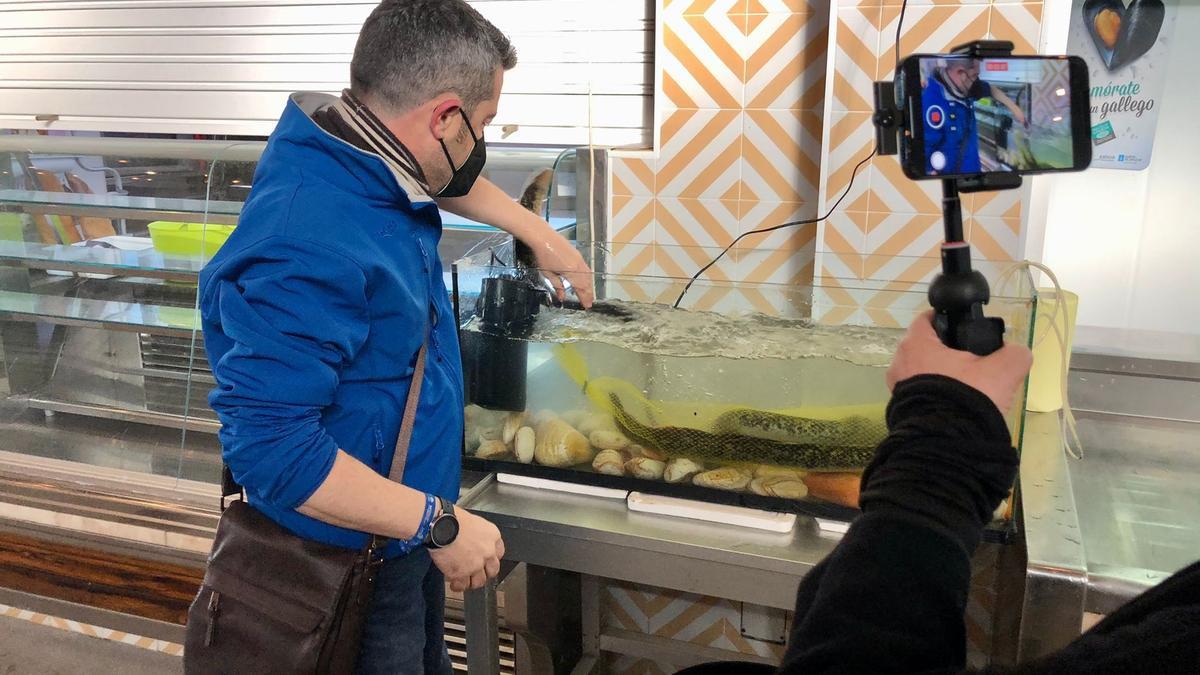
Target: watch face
x: 445, y: 531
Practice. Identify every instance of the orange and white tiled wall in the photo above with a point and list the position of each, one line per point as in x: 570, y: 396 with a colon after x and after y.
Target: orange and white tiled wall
x: 764, y: 108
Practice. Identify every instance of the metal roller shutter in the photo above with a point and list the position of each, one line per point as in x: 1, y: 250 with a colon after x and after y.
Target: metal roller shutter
x: 226, y: 66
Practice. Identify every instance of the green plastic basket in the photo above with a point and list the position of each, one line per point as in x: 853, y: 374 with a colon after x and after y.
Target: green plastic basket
x: 188, y: 239
x: 12, y: 227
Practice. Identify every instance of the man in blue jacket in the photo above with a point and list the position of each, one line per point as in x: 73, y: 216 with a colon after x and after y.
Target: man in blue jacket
x: 316, y: 307
x: 948, y: 106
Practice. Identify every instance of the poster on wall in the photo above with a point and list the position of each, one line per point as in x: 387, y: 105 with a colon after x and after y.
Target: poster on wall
x: 1126, y: 44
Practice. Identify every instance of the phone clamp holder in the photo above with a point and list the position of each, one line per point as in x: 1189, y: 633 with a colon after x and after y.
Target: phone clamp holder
x: 959, y: 293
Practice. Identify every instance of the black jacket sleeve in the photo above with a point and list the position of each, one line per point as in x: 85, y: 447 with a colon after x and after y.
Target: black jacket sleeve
x: 891, y: 596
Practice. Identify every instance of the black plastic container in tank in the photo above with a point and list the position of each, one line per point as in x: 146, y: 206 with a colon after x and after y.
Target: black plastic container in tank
x: 495, y: 357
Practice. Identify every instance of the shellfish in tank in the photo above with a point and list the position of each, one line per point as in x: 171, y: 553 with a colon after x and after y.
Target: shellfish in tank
x: 558, y: 444
x: 610, y: 463
x: 608, y: 439
x: 512, y: 423
x: 725, y: 478
x: 681, y: 470
x: 492, y: 449
x: 787, y: 487
x: 523, y: 445
x: 646, y: 469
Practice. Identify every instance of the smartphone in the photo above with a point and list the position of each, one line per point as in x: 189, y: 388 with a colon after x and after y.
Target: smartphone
x: 1016, y: 114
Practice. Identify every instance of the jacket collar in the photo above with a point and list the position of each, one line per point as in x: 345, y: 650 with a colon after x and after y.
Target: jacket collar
x: 300, y: 140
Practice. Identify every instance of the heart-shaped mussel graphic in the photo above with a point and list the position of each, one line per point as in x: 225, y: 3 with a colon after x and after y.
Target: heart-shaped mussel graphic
x: 1123, y: 34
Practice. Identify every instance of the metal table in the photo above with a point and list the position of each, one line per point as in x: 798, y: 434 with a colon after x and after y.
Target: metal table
x: 1138, y: 494
x: 1105, y: 528
x: 601, y: 538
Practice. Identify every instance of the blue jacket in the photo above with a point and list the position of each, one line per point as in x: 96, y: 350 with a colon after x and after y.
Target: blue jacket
x: 313, y: 313
x: 950, y: 129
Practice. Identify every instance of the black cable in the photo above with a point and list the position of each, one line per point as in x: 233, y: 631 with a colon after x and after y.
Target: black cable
x: 765, y: 230
x: 899, y: 24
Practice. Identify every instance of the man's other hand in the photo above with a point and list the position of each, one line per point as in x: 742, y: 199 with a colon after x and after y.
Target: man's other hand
x: 998, y: 375
x: 475, y: 555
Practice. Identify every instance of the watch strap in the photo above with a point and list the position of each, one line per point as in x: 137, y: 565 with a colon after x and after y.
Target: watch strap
x: 447, y: 512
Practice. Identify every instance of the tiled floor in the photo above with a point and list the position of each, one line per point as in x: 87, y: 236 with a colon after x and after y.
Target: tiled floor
x: 28, y: 648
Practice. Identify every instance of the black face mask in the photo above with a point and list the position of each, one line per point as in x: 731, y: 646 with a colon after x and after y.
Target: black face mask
x: 973, y: 91
x: 463, y: 178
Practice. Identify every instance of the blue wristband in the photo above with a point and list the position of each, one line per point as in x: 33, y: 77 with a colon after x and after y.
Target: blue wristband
x: 422, y: 534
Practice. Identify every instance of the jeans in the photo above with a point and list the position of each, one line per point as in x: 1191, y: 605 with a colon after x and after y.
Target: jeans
x: 404, y: 634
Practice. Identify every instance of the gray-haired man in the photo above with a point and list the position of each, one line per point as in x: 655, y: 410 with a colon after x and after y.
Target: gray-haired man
x: 315, y: 309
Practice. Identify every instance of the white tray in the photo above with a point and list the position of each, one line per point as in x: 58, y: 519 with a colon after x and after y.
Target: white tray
x: 713, y: 513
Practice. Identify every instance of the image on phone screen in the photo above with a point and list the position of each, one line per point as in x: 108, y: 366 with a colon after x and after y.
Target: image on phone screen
x: 995, y: 115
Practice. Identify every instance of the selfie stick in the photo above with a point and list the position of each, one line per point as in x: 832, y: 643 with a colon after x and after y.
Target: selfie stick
x: 959, y: 293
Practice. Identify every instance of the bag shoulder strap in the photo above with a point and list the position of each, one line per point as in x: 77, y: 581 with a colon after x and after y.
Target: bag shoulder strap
x: 400, y: 458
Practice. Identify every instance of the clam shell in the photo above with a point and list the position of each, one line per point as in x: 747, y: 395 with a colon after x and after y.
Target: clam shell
x: 648, y: 453
x: 558, y: 444
x: 609, y: 462
x: 543, y: 415
x: 787, y: 487
x: 523, y: 444
x: 512, y: 423
x: 646, y: 469
x: 596, y: 422
x: 772, y: 471
x: 492, y: 449
x: 725, y: 478
x: 606, y: 439
x: 681, y: 470
x: 489, y: 434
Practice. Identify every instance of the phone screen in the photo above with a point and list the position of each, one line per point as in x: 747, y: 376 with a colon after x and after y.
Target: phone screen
x: 981, y: 115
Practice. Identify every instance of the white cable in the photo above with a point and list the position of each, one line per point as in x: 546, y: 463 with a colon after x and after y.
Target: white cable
x: 591, y: 159
x: 1066, y: 415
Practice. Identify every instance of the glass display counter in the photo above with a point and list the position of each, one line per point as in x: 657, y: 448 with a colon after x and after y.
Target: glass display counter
x: 101, y: 244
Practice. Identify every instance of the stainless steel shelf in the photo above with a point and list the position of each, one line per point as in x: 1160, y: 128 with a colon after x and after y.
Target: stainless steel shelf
x: 1137, y: 502
x: 121, y: 206
x: 148, y: 263
x: 151, y: 417
x: 602, y: 537
x: 111, y: 314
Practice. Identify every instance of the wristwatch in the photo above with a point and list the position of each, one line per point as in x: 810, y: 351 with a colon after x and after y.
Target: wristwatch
x: 444, y: 529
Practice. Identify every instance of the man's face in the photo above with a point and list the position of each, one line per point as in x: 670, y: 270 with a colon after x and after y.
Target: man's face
x: 963, y: 74
x: 458, y: 139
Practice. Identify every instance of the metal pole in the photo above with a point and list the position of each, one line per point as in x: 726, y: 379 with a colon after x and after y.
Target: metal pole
x: 483, y: 630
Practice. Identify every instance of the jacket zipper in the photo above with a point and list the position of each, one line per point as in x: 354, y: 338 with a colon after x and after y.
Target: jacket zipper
x: 214, y: 601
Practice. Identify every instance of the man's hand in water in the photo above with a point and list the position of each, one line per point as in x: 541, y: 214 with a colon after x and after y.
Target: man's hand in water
x: 559, y: 259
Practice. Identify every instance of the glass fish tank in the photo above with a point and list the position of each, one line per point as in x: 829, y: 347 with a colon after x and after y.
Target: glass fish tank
x: 758, y: 394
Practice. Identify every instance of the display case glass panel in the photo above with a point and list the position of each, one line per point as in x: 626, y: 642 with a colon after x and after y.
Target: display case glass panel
x: 102, y: 240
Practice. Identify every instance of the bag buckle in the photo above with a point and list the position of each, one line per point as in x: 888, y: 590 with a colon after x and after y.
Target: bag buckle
x: 375, y: 551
